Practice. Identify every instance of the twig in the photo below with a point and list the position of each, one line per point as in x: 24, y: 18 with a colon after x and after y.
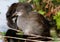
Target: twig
x: 19, y: 38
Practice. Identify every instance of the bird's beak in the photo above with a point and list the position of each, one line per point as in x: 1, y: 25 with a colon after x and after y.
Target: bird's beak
x: 17, y: 14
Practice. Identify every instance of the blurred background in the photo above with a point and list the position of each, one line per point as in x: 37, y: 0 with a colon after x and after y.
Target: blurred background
x: 4, y: 5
